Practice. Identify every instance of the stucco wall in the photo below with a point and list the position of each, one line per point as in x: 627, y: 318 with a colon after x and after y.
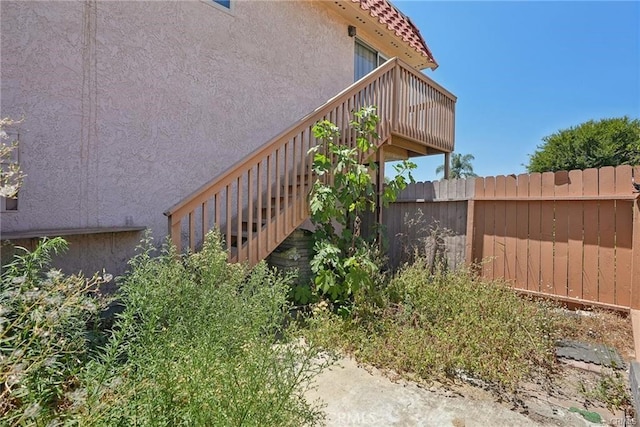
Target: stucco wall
x: 129, y: 106
x: 87, y: 254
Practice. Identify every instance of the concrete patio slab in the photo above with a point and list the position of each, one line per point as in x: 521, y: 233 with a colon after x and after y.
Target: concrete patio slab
x: 356, y: 397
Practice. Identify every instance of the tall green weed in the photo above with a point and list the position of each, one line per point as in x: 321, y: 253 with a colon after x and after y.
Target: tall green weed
x: 445, y: 324
x: 198, y: 342
x: 46, y: 338
x: 203, y: 342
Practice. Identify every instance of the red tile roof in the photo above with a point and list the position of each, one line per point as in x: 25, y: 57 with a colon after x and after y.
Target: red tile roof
x: 399, y: 23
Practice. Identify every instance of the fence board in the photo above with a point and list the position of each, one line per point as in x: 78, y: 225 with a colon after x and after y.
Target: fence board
x: 488, y: 249
x: 535, y: 233
x: 635, y: 251
x: 460, y: 223
x: 499, y: 259
x: 511, y: 228
x: 575, y: 235
x: 606, y: 253
x: 547, y: 234
x: 570, y: 235
x: 522, y: 232
x: 590, y: 243
x: 478, y: 225
x: 623, y: 251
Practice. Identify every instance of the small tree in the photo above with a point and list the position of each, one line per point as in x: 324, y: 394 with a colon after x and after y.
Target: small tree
x: 461, y: 166
x: 593, y: 144
x: 345, y: 189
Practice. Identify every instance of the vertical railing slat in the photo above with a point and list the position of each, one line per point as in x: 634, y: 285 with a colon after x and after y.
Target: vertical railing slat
x: 269, y: 202
x: 228, y: 216
x: 250, y: 245
x: 239, y: 205
x: 192, y: 232
x: 216, y: 211
x: 204, y: 218
x: 277, y: 228
x: 295, y: 181
x: 260, y: 243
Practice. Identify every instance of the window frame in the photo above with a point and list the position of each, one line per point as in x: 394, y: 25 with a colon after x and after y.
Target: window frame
x: 220, y: 2
x: 380, y: 58
x: 214, y: 4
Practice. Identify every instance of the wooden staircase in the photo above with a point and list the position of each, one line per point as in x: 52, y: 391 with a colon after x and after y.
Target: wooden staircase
x: 260, y: 200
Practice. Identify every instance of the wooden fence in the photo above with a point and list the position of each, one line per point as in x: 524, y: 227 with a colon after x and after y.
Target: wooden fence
x: 569, y: 235
x: 429, y: 217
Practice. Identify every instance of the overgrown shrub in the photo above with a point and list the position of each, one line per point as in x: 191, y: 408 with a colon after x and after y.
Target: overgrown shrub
x: 45, y: 336
x: 443, y: 325
x: 199, y: 342
x: 202, y: 342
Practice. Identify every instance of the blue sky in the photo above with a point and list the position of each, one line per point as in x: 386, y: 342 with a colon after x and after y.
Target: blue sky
x: 523, y: 70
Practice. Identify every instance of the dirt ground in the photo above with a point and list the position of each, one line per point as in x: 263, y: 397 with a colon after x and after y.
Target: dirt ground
x: 361, y: 395
x: 544, y: 402
x: 541, y: 400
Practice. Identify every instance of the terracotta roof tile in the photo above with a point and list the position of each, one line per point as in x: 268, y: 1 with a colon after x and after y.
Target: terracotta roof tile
x: 397, y: 22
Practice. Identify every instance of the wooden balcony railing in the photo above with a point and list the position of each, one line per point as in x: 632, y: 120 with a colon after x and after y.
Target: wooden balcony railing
x: 260, y: 200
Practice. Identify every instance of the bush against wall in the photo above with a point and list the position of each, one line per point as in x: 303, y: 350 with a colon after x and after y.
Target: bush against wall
x: 197, y: 342
x: 46, y: 335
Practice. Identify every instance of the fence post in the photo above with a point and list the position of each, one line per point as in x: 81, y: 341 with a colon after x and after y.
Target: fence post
x: 635, y: 278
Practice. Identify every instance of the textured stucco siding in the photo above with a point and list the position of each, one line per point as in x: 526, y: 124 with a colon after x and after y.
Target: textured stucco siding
x: 130, y: 106
x: 87, y: 254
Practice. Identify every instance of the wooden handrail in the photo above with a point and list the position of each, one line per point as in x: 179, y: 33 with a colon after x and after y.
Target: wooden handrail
x: 262, y: 198
x: 268, y: 146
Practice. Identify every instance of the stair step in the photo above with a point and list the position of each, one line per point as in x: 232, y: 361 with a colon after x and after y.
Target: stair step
x: 233, y: 238
x: 254, y: 224
x: 272, y: 206
x: 298, y: 179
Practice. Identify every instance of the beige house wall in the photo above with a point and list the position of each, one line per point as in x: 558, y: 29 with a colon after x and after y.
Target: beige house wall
x: 130, y: 106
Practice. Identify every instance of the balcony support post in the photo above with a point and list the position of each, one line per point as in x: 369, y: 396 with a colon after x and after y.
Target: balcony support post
x: 380, y: 185
x: 447, y: 165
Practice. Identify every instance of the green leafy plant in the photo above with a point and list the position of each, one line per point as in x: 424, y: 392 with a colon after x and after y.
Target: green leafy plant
x: 611, y: 389
x: 45, y: 335
x: 198, y: 342
x: 202, y: 342
x: 344, y: 259
x: 593, y: 144
x: 302, y: 294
